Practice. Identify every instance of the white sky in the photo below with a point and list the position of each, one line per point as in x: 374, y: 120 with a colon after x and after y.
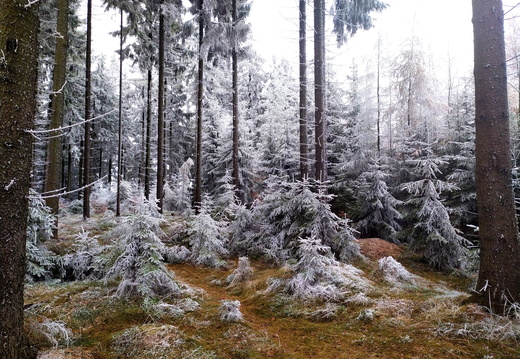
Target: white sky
x: 444, y: 27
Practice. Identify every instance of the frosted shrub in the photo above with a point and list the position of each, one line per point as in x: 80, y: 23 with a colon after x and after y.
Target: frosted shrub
x: 101, y: 198
x: 159, y: 309
x: 226, y: 200
x: 230, y: 311
x: 138, y: 251
x: 240, y: 231
x: 291, y: 211
x: 85, y: 261
x: 54, y: 332
x: 319, y: 276
x: 178, y: 194
x: 442, y: 246
x: 241, y: 274
x: 393, y: 271
x: 40, y: 226
x: 177, y: 254
x: 206, y: 239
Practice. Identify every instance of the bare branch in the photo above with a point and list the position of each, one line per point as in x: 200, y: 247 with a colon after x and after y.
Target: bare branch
x: 43, y: 196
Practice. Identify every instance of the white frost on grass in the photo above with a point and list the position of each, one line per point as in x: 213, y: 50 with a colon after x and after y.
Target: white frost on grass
x: 55, y: 332
x: 394, y: 272
x: 230, y: 311
x: 241, y: 274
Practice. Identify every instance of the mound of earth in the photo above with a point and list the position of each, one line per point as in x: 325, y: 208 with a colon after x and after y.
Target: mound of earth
x: 377, y: 248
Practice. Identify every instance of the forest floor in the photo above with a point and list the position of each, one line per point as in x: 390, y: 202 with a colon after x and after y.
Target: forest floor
x: 427, y: 319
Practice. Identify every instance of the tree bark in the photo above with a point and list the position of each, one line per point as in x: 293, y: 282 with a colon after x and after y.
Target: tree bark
x: 319, y: 91
x: 120, y: 121
x: 148, y: 136
x: 236, y: 169
x: 499, y: 275
x: 304, y: 145
x: 54, y: 152
x: 160, y: 115
x: 18, y: 76
x: 200, y: 77
x: 86, y: 142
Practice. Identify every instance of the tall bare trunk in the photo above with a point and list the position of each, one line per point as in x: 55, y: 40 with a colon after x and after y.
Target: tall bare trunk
x: 499, y: 274
x: 200, y: 77
x: 319, y: 91
x: 236, y: 174
x: 18, y: 76
x: 120, y: 119
x: 304, y: 145
x: 148, y: 136
x: 160, y: 114
x: 54, y: 152
x: 86, y: 141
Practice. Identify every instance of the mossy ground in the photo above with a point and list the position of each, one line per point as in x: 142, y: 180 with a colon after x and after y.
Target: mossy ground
x: 427, y: 320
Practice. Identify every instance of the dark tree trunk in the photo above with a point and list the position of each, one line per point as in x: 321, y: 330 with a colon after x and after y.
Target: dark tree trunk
x: 120, y: 121
x: 69, y: 171
x: 143, y: 146
x: 304, y: 145
x: 54, y: 151
x: 147, y: 137
x: 160, y: 115
x: 236, y: 169
x: 18, y: 76
x: 319, y: 91
x: 200, y: 77
x: 378, y: 94
x: 499, y: 275
x: 86, y: 141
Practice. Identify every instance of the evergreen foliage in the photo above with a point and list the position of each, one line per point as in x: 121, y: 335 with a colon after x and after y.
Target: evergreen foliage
x: 40, y: 226
x: 351, y: 15
x: 138, y: 253
x: 319, y: 276
x: 433, y: 232
x: 380, y: 216
x: 290, y: 211
x: 206, y: 237
x: 86, y: 262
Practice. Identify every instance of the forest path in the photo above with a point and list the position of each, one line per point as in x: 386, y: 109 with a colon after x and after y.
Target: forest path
x: 289, y: 336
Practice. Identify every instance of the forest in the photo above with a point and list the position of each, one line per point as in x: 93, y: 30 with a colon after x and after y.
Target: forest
x: 187, y: 198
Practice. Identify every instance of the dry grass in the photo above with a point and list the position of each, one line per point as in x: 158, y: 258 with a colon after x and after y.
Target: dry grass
x: 426, y: 320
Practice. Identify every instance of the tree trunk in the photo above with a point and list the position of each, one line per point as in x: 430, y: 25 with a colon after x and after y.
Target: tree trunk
x: 198, y: 151
x: 18, y: 76
x: 499, y: 275
x: 160, y: 115
x: 120, y: 121
x: 86, y: 142
x: 378, y: 94
x: 236, y: 169
x: 54, y: 152
x: 304, y: 146
x: 147, y: 137
x: 319, y: 91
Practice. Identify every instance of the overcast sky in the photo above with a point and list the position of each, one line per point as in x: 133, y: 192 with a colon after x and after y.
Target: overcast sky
x: 444, y: 27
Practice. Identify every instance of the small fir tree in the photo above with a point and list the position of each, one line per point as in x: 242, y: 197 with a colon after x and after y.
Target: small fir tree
x: 40, y: 227
x: 290, y: 211
x: 319, y: 276
x: 139, y: 256
x: 380, y: 216
x: 206, y: 236
x: 442, y: 246
x: 86, y: 262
